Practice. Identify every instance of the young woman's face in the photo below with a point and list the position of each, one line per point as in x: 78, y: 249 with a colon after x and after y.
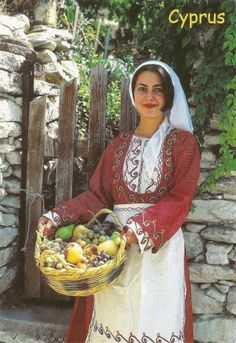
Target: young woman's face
x: 149, y: 94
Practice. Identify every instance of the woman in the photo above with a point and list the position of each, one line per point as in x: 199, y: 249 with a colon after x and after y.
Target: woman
x: 149, y: 178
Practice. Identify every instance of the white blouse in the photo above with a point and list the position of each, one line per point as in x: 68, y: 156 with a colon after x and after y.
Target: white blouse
x: 138, y: 180
x: 134, y: 170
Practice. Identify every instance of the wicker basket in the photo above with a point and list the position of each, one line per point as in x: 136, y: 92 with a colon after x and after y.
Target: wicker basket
x: 71, y: 280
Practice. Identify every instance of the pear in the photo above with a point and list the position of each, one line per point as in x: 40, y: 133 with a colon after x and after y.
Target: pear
x: 65, y: 232
x: 115, y: 234
x: 116, y: 237
x: 74, y: 253
x: 117, y: 240
x: 80, y: 231
x: 110, y: 247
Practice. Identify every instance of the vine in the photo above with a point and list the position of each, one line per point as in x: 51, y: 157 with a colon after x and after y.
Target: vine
x: 227, y: 162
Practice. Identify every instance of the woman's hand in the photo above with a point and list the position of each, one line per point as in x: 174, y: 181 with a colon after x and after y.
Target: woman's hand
x: 49, y: 227
x: 129, y: 235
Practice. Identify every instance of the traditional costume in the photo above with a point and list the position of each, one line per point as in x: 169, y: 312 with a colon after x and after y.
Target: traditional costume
x: 150, y: 184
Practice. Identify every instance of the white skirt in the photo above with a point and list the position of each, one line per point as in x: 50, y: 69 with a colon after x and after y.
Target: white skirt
x: 147, y: 302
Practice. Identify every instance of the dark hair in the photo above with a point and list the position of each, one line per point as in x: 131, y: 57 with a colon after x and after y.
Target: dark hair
x: 166, y: 81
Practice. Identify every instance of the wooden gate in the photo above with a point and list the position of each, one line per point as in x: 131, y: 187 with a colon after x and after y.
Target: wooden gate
x: 66, y: 148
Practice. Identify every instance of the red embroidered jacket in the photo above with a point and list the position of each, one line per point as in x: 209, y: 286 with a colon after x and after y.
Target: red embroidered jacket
x: 169, y: 203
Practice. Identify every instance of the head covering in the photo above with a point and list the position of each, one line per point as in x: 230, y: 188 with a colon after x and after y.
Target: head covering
x: 179, y: 117
x: 179, y: 113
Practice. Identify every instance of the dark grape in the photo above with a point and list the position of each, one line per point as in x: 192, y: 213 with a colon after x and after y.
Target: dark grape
x: 95, y: 227
x: 108, y: 227
x: 91, y: 235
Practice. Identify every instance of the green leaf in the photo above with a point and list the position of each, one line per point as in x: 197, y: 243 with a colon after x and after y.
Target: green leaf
x: 186, y: 40
x: 228, y: 6
x: 232, y: 18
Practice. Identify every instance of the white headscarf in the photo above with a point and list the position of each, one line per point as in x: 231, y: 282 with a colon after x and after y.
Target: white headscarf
x: 179, y: 117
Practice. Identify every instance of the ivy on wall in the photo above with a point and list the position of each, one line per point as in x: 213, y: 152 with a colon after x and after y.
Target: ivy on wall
x: 227, y: 112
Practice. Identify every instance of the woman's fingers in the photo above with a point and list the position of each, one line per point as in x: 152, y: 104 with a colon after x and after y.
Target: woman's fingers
x: 43, y: 221
x: 48, y: 226
x: 129, y: 235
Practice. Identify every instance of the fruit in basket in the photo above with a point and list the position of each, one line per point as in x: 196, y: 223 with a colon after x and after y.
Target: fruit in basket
x: 117, y: 240
x: 94, y: 261
x: 116, y: 237
x: 91, y: 235
x: 90, y: 250
x: 80, y: 231
x: 95, y: 227
x: 95, y: 241
x: 65, y: 232
x: 82, y: 264
x: 74, y: 253
x: 110, y: 247
x: 59, y: 266
x: 115, y: 234
x: 48, y: 261
x: 108, y: 227
x: 84, y: 246
x: 81, y: 242
x: 102, y: 239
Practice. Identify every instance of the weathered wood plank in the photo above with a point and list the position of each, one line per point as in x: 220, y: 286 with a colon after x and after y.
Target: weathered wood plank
x: 34, y: 185
x: 49, y: 147
x: 27, y: 96
x: 128, y: 112
x: 97, y: 122
x: 66, y: 141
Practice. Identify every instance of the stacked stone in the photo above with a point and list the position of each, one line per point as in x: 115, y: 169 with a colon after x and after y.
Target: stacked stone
x: 14, y: 50
x: 46, y: 48
x: 54, y: 67
x: 210, y: 237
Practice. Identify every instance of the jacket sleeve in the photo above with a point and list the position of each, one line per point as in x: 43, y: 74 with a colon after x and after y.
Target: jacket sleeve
x: 161, y: 220
x: 82, y: 207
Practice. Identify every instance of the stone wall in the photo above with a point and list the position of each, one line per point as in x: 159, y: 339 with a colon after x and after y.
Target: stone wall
x: 210, y: 231
x: 210, y: 236
x: 48, y: 47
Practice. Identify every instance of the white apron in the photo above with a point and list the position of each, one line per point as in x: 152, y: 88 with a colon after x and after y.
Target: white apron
x: 147, y: 302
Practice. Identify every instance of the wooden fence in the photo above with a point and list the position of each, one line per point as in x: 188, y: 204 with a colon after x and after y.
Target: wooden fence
x: 65, y: 148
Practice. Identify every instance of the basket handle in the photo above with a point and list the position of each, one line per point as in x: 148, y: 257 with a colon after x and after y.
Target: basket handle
x: 105, y: 211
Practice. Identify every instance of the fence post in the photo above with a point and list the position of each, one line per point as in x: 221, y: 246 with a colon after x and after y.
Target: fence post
x: 128, y: 112
x: 66, y: 142
x: 34, y: 184
x: 97, y: 122
x: 27, y: 96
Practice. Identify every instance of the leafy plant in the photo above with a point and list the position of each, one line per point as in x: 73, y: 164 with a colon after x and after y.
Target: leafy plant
x: 85, y: 54
x: 227, y: 83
